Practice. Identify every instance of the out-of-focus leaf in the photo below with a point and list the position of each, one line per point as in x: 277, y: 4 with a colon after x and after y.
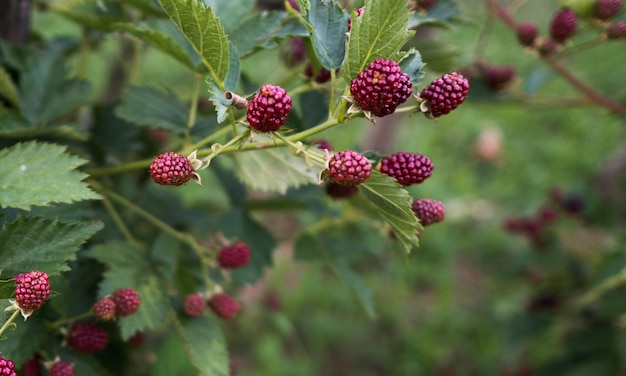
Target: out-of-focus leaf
x: 149, y: 107
x: 231, y: 12
x: 329, y: 23
x: 205, y: 345
x: 94, y: 14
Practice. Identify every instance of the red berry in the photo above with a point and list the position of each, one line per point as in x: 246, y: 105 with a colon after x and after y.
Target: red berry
x: 428, y: 211
x: 171, y: 169
x: 32, y: 366
x: 616, y: 30
x: 527, y: 33
x: 61, y: 368
x: 339, y: 191
x: 607, y: 9
x: 322, y: 76
x: 445, y: 93
x: 193, y: 305
x: 497, y: 78
x: 323, y: 144
x: 87, y: 337
x: 126, y: 300
x: 348, y: 167
x: 563, y: 25
x: 31, y: 289
x: 104, y: 309
x: 407, y: 168
x: 7, y: 368
x: 359, y: 12
x: 381, y: 87
x: 268, y: 110
x: 234, y: 255
x: 224, y: 306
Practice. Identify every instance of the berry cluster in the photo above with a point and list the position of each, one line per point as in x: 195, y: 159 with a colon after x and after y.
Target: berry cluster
x: 428, y: 211
x: 7, y: 367
x: 495, y: 77
x: 31, y: 290
x: 224, y: 306
x: 61, y: 368
x: 193, y: 305
x: 171, y: 169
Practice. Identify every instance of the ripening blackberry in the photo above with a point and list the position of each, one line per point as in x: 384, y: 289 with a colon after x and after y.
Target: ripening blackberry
x: 127, y: 301
x: 61, y: 368
x: 224, y: 306
x: 563, y: 25
x: 497, y: 78
x: 87, y: 337
x: 340, y: 191
x: 348, y: 167
x: 7, y: 367
x: 31, y: 290
x: 444, y: 94
x: 527, y: 33
x: 616, y: 30
x: 172, y: 169
x: 104, y: 309
x: 407, y: 168
x: 234, y: 255
x: 428, y: 211
x: 268, y: 110
x: 606, y: 9
x: 193, y: 305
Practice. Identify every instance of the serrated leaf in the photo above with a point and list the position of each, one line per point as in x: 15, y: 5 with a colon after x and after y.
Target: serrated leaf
x: 329, y: 23
x: 219, y: 100
x: 231, y: 12
x: 412, y: 64
x: 205, y: 345
x: 274, y: 170
x: 393, y: 204
x: 39, y: 174
x: 36, y: 243
x: 438, y: 15
x: 172, y: 358
x: 94, y: 14
x: 379, y: 32
x: 583, y: 8
x: 152, y: 313
x: 149, y: 107
x: 8, y: 91
x: 203, y: 29
x: 363, y: 293
x: 27, y: 338
x: 7, y: 288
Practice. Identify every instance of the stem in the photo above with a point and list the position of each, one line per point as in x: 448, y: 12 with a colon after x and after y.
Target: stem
x: 9, y: 321
x: 214, y: 152
x: 608, y: 284
x: 121, y: 168
x: 67, y: 320
x: 215, y: 135
x: 298, y: 149
x: 118, y: 221
x: 194, y: 104
x: 84, y: 52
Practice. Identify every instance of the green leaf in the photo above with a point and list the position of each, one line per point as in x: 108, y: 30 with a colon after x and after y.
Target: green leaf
x: 378, y: 33
x: 22, y: 342
x: 33, y: 173
x: 150, y: 7
x: 8, y: 91
x: 35, y: 243
x: 7, y: 288
x: 12, y: 125
x: 203, y: 29
x: 234, y: 69
x: 153, y: 311
x: 439, y: 15
x: 583, y: 8
x: 231, y: 12
x: 329, y: 23
x: 363, y: 293
x: 412, y: 64
x: 149, y: 107
x: 274, y: 170
x: 172, y: 359
x: 219, y: 100
x: 205, y: 345
x: 393, y: 204
x: 94, y: 14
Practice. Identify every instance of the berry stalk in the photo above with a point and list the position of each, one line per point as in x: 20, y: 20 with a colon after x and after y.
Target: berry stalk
x: 9, y: 322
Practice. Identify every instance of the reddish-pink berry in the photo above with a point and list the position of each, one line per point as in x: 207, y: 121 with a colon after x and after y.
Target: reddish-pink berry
x: 104, y: 309
x: 407, y: 168
x: 498, y: 77
x: 32, y: 366
x: 87, y: 337
x: 7, y: 367
x: 616, y: 30
x: 381, y: 87
x: 224, y: 306
x: 428, y: 211
x: 323, y: 144
x: 322, y: 76
x: 193, y: 305
x: 339, y: 191
x: 445, y: 93
x: 607, y: 9
x: 268, y: 110
x: 234, y: 255
x: 171, y: 169
x: 31, y: 289
x: 359, y: 12
x: 126, y: 300
x: 563, y: 25
x: 527, y: 33
x: 348, y: 167
x: 61, y: 368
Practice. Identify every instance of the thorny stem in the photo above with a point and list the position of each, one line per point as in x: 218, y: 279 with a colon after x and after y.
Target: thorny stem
x: 9, y: 321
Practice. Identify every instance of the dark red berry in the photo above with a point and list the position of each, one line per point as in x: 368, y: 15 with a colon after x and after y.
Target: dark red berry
x: 268, y: 110
x: 87, y: 337
x: 428, y: 211
x: 31, y: 289
x: 348, y: 167
x: 7, y: 367
x: 61, y: 368
x: 359, y: 12
x: 445, y: 94
x: 104, y: 309
x: 527, y: 33
x: 498, y: 77
x: 193, y: 305
x: 322, y: 76
x: 339, y: 191
x: 126, y: 300
x: 32, y: 366
x: 607, y: 9
x: 616, y: 30
x: 171, y: 169
x: 563, y: 25
x: 407, y: 168
x: 224, y: 306
x: 381, y: 87
x: 323, y: 144
x: 234, y: 255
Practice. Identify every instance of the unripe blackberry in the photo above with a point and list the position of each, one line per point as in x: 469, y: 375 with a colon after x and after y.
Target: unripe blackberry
x: 61, y: 368
x: 126, y: 300
x: 381, y: 87
x: 268, y: 110
x: 87, y: 337
x: 339, y: 191
x: 104, y: 309
x: 348, y: 167
x: 234, y: 255
x: 359, y: 12
x: 428, y: 211
x: 497, y: 78
x: 224, y: 306
x: 563, y: 25
x: 193, y: 305
x: 407, y: 168
x: 527, y: 33
x: 606, y: 9
x: 171, y: 169
x: 444, y: 94
x: 31, y: 289
x: 321, y: 77
x: 7, y: 367
x: 616, y: 30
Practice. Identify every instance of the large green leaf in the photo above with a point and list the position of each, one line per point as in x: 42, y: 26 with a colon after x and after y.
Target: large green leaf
x: 35, y: 243
x: 203, y: 29
x: 39, y: 174
x: 379, y: 32
x: 231, y: 12
x: 205, y: 345
x: 172, y: 358
x: 330, y: 24
x: 7, y: 288
x: 149, y: 107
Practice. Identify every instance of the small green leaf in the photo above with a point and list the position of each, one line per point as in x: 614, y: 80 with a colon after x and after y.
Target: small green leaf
x: 7, y: 288
x: 203, y: 29
x: 329, y: 23
x: 36, y: 243
x: 219, y: 101
x: 393, y: 204
x: 231, y: 12
x: 8, y: 91
x: 363, y: 293
x: 379, y: 32
x: 39, y: 174
x: 205, y: 345
x: 412, y: 64
x: 94, y: 14
x: 149, y: 107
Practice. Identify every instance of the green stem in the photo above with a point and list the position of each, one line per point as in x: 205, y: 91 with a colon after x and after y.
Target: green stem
x: 9, y: 322
x: 118, y: 221
x: 300, y: 89
x: 121, y: 168
x: 212, y: 137
x: 214, y: 152
x: 67, y: 320
x: 299, y: 150
x: 194, y: 104
x: 609, y: 284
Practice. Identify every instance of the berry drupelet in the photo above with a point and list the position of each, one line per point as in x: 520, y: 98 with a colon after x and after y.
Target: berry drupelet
x: 428, y: 211
x: 234, y: 255
x: 171, y: 169
x: 7, y: 367
x: 61, y: 368
x: 348, y: 167
x: 268, y: 110
x: 407, y: 168
x: 527, y: 33
x: 444, y: 94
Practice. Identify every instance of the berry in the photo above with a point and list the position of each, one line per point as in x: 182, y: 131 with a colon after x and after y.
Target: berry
x: 348, y: 167
x: 322, y: 76
x: 31, y: 289
x: 7, y: 367
x: 87, y: 337
x: 31, y: 367
x: 339, y: 191
x: 234, y: 255
x: 607, y: 9
x: 359, y: 12
x: 381, y: 87
x: 527, y: 33
x: 126, y: 300
x: 407, y: 168
x: 616, y: 30
x: 104, y: 309
x: 194, y: 305
x: 171, y: 169
x: 323, y: 144
x: 224, y: 306
x: 426, y: 4
x: 445, y: 94
x: 497, y: 78
x: 268, y: 110
x: 428, y: 211
x: 61, y: 368
x: 563, y: 25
